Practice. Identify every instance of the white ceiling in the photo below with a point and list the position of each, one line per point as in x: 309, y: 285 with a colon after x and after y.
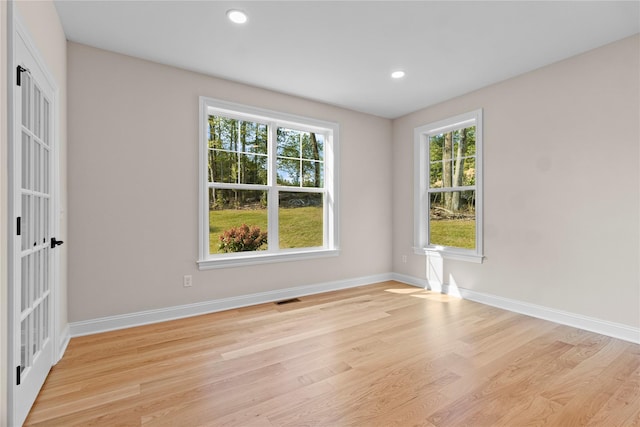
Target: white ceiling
x: 342, y: 52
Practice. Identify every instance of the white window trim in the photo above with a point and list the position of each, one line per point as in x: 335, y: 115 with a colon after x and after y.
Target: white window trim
x: 331, y: 186
x: 421, y: 180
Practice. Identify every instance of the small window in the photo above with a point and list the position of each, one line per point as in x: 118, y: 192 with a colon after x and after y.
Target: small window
x: 448, y: 188
x: 268, y: 186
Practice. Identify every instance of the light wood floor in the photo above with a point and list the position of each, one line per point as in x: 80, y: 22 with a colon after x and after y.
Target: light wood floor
x: 380, y: 355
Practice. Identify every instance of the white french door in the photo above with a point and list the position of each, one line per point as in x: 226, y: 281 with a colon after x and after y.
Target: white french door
x: 33, y: 241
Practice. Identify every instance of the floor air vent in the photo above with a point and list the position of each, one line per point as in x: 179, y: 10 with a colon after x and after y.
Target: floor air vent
x: 287, y: 301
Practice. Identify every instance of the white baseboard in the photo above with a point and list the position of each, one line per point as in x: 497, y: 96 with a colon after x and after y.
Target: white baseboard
x: 410, y: 280
x: 611, y: 329
x: 111, y: 323
x: 93, y: 326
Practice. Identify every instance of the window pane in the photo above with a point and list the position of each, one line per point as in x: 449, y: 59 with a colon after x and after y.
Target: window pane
x: 223, y: 166
x: 452, y: 158
x: 238, y: 168
x: 237, y: 135
x: 435, y: 174
x: 299, y: 159
x: 253, y: 138
x: 223, y: 133
x: 300, y: 220
x: 237, y: 220
x: 288, y: 143
x: 288, y: 172
x: 312, y: 146
x: 452, y: 219
x: 469, y: 171
x: 312, y: 174
x: 237, y: 151
x: 463, y: 166
x: 252, y: 169
x: 435, y: 147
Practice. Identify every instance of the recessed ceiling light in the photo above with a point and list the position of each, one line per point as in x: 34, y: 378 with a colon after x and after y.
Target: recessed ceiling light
x: 397, y: 74
x: 237, y: 16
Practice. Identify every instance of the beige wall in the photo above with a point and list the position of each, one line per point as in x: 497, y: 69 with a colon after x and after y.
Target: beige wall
x: 562, y: 186
x: 43, y: 25
x: 133, y: 189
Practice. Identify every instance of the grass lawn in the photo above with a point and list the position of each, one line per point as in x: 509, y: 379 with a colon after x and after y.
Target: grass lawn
x: 299, y: 227
x: 456, y: 233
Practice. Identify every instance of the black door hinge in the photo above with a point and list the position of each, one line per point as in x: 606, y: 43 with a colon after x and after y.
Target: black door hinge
x: 20, y: 70
x: 55, y: 242
x: 18, y: 228
x: 18, y: 371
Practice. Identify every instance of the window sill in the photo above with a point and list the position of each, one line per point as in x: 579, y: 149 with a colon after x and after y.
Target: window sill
x: 241, y: 260
x: 449, y: 253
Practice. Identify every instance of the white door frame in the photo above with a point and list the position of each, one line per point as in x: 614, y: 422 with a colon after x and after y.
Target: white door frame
x: 17, y: 29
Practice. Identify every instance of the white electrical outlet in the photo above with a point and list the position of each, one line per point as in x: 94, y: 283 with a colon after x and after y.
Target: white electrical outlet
x: 404, y: 259
x: 187, y: 281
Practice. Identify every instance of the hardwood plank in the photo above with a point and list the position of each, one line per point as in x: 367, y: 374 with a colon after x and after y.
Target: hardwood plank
x: 623, y: 408
x: 380, y: 355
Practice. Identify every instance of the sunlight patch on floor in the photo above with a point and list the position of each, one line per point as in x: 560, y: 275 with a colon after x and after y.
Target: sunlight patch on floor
x: 404, y: 291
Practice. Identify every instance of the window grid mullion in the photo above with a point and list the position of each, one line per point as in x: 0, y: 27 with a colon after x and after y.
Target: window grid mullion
x: 451, y: 189
x: 273, y: 244
x: 238, y: 137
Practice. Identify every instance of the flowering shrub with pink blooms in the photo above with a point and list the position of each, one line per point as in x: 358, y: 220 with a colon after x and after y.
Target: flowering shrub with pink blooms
x: 242, y: 239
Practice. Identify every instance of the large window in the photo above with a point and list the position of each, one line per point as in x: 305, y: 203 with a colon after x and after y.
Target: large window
x: 268, y: 185
x: 448, y: 196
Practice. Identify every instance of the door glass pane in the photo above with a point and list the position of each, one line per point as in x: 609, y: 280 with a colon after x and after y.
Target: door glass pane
x: 24, y: 221
x: 38, y: 274
x: 37, y: 167
x: 45, y: 170
x: 31, y: 280
x: 35, y: 336
x: 24, y: 333
x: 26, y: 99
x: 45, y: 255
x: 45, y: 319
x: 300, y: 219
x: 45, y: 220
x: 24, y: 283
x: 237, y: 220
x: 45, y: 122
x: 26, y: 161
x: 37, y: 99
x: 36, y: 221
